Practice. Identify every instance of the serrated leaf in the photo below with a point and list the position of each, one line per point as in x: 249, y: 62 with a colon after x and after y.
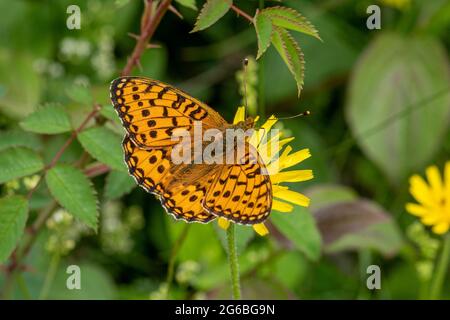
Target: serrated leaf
x: 211, y: 12
x: 188, y: 4
x: 103, y: 145
x: 19, y: 138
x: 291, y: 54
x: 263, y: 27
x: 18, y: 162
x: 300, y: 228
x: 290, y: 19
x: 50, y: 119
x: 118, y: 183
x: 401, y: 129
x: 13, y: 217
x: 80, y: 94
x: 74, y: 191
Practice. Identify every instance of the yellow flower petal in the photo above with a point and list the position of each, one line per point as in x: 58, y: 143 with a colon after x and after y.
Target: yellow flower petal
x: 292, y: 176
x: 240, y: 115
x: 420, y: 191
x: 447, y: 181
x: 293, y: 196
x: 295, y: 158
x: 281, y: 206
x: 285, y: 141
x: 276, y: 188
x: 258, y: 135
x: 434, y: 178
x: 260, y: 229
x: 270, y: 149
x: 269, y: 123
x: 441, y: 228
x: 416, y: 209
x: 223, y: 223
x: 429, y: 219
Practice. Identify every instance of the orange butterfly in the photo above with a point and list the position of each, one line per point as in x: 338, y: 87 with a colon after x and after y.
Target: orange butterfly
x: 150, y: 112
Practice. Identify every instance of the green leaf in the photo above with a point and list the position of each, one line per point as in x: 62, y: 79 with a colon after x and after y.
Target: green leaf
x: 80, y: 94
x: 290, y: 19
x: 292, y: 56
x: 109, y: 113
x: 398, y: 102
x: 73, y: 191
x: 263, y: 27
x: 188, y: 4
x: 357, y: 224
x: 211, y: 12
x: 50, y: 119
x: 322, y: 195
x: 19, y: 138
x: 103, y: 145
x: 118, y: 183
x: 300, y: 228
x: 13, y: 217
x: 18, y: 162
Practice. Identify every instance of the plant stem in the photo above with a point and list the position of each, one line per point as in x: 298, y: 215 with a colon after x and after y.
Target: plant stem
x: 173, y: 256
x: 242, y: 13
x: 261, y: 83
x: 234, y: 263
x: 23, y: 286
x: 51, y: 273
x: 440, y: 269
x: 21, y: 252
x: 148, y: 28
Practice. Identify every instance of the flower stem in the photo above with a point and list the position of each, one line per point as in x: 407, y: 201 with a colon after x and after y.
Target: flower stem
x: 173, y: 256
x: 234, y: 264
x: 440, y: 269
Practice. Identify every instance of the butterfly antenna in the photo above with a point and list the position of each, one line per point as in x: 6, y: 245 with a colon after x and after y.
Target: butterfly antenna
x: 245, y: 84
x: 301, y: 114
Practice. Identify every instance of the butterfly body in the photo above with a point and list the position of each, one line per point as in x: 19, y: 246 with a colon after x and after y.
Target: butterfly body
x: 197, y: 191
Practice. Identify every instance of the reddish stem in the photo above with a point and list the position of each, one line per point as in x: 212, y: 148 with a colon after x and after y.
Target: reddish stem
x: 242, y: 13
x: 149, y: 25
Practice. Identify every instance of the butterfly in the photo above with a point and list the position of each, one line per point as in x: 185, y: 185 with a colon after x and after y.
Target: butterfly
x: 150, y: 112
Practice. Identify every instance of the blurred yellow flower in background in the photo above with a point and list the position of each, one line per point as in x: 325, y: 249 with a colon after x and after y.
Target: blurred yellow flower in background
x: 399, y: 4
x: 283, y: 196
x: 433, y: 199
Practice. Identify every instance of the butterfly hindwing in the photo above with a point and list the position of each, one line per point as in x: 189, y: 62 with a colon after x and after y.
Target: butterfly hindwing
x: 241, y: 192
x: 150, y: 111
x: 148, y: 167
x: 153, y: 171
x: 185, y: 201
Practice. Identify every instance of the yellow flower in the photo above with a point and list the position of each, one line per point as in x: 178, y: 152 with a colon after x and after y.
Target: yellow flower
x: 283, y: 198
x: 399, y: 4
x: 433, y: 208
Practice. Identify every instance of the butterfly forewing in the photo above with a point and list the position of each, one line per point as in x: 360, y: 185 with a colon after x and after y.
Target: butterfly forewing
x: 150, y: 111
